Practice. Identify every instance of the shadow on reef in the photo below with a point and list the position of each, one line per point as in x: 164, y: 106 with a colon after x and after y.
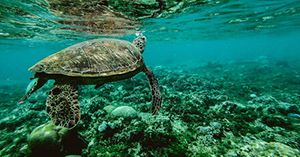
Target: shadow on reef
x: 246, y: 108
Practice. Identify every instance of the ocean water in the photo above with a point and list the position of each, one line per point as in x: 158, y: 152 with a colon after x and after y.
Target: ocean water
x: 228, y: 71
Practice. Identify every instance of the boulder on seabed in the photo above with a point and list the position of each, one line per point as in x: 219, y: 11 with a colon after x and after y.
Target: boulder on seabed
x: 51, y: 140
x: 126, y: 112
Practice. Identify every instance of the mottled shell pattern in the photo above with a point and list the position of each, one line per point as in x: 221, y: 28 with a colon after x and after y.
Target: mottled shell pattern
x: 93, y: 58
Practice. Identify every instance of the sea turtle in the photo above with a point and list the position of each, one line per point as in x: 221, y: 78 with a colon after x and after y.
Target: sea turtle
x: 97, y: 61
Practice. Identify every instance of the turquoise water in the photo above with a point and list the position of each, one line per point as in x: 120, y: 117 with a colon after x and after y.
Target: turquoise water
x: 228, y: 72
x: 227, y: 29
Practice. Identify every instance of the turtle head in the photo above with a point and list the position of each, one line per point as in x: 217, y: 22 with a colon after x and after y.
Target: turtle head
x: 140, y: 43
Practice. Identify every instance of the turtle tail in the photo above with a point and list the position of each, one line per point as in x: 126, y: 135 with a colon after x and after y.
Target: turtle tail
x: 156, y: 94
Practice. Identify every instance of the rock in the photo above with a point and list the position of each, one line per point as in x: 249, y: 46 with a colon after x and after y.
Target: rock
x: 109, y: 108
x: 54, y: 140
x: 126, y: 112
x: 46, y: 139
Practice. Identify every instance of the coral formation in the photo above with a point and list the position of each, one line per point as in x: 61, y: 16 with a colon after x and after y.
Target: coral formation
x: 54, y: 141
x: 231, y: 111
x: 126, y: 112
x: 261, y: 148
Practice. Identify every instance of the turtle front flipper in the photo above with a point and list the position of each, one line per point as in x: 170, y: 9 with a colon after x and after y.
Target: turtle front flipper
x: 63, y: 106
x: 35, y: 84
x: 156, y: 95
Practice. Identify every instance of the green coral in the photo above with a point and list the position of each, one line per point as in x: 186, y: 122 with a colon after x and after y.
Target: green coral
x: 53, y: 140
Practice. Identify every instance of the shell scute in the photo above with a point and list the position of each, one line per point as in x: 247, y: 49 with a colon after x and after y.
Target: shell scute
x: 94, y: 58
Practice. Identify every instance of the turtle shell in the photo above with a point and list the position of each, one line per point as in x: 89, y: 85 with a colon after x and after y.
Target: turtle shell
x: 93, y: 58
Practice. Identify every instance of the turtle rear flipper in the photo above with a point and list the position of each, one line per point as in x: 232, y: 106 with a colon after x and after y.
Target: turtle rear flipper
x: 63, y: 106
x: 156, y: 95
x: 37, y: 83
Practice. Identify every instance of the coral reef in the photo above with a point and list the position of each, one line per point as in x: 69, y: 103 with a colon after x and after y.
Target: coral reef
x: 261, y: 148
x: 216, y: 109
